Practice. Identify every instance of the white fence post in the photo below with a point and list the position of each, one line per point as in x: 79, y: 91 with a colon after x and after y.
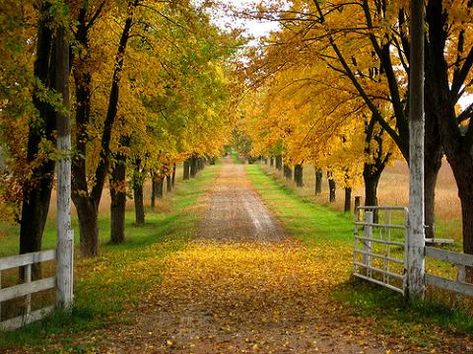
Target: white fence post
x: 368, y: 235
x: 416, y: 236
x: 64, y: 233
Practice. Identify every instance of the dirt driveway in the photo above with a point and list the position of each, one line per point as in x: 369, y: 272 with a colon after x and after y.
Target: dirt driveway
x: 242, y: 286
x: 236, y: 212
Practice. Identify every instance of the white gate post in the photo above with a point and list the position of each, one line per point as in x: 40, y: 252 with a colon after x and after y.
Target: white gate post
x: 368, y: 236
x: 416, y: 235
x: 64, y: 252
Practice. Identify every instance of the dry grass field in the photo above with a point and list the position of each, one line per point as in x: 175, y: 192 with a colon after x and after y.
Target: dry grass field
x: 394, y: 190
x: 161, y: 204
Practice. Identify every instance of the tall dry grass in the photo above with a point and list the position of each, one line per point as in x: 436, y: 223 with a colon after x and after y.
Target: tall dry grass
x: 393, y: 190
x: 104, y: 207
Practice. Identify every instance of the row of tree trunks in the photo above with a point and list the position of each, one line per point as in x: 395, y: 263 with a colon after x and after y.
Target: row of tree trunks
x: 371, y: 175
x: 118, y: 194
x: 192, y: 166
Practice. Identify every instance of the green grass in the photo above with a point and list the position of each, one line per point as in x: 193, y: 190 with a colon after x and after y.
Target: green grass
x: 107, y: 285
x: 302, y: 218
x: 316, y: 226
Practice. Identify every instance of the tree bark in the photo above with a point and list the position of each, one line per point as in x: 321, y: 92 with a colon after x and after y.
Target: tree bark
x: 154, y: 188
x: 462, y: 166
x: 332, y: 188
x: 173, y: 178
x: 138, y: 195
x: 169, y: 183
x: 89, y: 234
x: 118, y: 200
x: 193, y: 167
x: 299, y: 175
x: 347, y: 206
x: 160, y: 187
x: 318, y: 181
x: 279, y: 162
x: 186, y: 167
x: 371, y: 176
x: 287, y: 171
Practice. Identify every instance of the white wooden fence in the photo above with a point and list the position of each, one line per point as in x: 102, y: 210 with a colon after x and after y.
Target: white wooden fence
x: 460, y: 260
x: 26, y: 289
x: 380, y: 256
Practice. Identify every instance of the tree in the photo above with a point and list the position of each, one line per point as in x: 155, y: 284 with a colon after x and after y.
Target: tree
x: 37, y: 188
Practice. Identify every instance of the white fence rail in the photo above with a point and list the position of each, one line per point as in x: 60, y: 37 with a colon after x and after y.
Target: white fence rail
x: 379, y: 246
x: 26, y: 289
x: 461, y: 260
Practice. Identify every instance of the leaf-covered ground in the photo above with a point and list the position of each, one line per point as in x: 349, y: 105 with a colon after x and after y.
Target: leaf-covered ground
x: 240, y: 296
x: 250, y: 297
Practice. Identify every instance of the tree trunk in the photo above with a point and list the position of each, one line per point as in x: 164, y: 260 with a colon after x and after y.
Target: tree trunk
x: 118, y: 197
x: 138, y: 193
x: 139, y: 203
x: 371, y: 179
x: 462, y: 166
x: 160, y: 187
x: 287, y: 171
x: 271, y: 161
x: 37, y: 190
x: 193, y: 166
x: 332, y: 188
x: 279, y: 162
x: 173, y: 178
x: 154, y: 188
x: 347, y: 207
x: 169, y: 183
x: 299, y: 175
x: 89, y: 233
x: 318, y: 181
x: 186, y: 167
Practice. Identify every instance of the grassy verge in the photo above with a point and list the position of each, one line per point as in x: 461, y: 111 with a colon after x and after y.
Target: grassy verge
x: 106, y: 286
x: 302, y: 218
x: 328, y: 234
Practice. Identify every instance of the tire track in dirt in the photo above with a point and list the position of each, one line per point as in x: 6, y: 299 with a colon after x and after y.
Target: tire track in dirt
x: 236, y: 212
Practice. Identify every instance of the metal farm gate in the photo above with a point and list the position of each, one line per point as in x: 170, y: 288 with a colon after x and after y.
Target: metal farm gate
x: 380, y: 245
